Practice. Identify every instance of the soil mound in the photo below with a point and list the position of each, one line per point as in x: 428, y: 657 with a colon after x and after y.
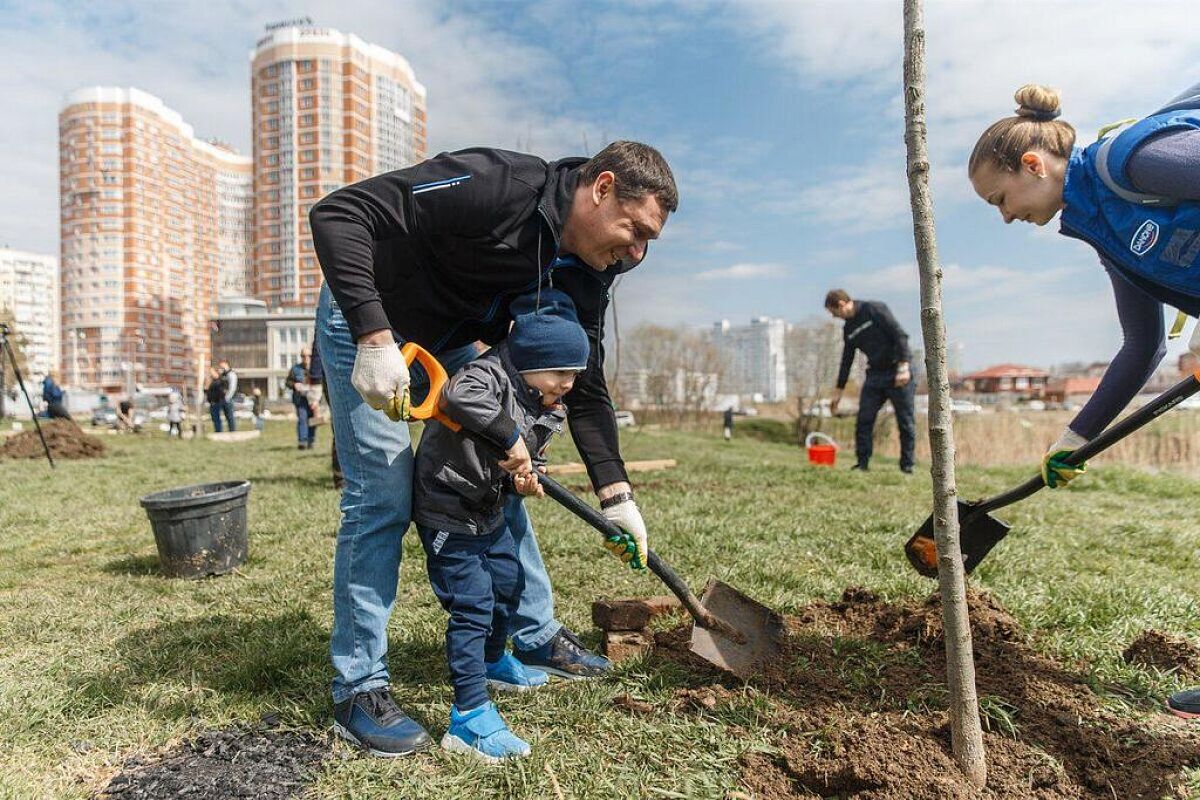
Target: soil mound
x: 64, y: 438
x: 859, y: 701
x: 259, y: 763
x: 1165, y: 652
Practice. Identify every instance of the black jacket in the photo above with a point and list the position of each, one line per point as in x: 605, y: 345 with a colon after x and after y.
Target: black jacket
x: 875, y: 331
x: 458, y: 484
x: 437, y: 252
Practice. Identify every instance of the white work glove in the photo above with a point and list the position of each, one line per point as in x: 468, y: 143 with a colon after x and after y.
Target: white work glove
x: 1055, y: 473
x: 625, y: 515
x: 381, y: 377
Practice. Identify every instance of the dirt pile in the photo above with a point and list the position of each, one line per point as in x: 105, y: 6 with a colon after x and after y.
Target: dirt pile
x: 858, y: 697
x: 1165, y: 652
x: 64, y: 438
x: 258, y: 763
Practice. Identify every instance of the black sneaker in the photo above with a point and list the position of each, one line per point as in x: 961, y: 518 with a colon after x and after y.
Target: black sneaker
x: 907, y: 470
x: 860, y: 468
x: 1185, y: 703
x: 374, y: 722
x: 566, y: 657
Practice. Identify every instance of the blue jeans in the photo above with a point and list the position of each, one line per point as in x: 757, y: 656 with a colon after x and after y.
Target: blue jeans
x: 227, y: 407
x: 305, y: 433
x: 477, y: 580
x: 214, y: 411
x: 377, y: 461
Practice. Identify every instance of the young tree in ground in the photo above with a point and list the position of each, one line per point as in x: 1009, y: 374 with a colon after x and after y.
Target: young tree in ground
x: 8, y: 379
x: 965, y: 731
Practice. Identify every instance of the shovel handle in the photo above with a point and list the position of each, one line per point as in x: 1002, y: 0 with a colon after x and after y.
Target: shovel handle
x: 1115, y: 433
x: 565, y: 498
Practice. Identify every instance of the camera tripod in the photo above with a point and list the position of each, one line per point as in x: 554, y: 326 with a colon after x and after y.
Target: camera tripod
x: 6, y: 347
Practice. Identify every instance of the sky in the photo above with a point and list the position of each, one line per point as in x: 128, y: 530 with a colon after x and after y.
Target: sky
x: 783, y: 123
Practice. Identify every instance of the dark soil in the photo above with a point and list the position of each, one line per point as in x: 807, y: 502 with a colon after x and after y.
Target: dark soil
x: 858, y: 705
x: 64, y: 438
x: 1164, y: 652
x: 258, y: 763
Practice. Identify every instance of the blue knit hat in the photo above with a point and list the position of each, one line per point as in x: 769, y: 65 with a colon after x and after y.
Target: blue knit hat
x: 546, y: 333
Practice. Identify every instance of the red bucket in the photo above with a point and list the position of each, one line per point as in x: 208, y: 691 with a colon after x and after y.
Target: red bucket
x: 821, y: 455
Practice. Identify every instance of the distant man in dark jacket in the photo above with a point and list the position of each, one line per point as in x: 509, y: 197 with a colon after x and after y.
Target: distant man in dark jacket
x: 871, y: 328
x: 52, y: 393
x: 435, y: 254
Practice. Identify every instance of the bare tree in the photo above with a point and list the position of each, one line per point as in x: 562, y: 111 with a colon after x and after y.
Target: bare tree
x: 671, y: 368
x: 813, y: 353
x: 965, y: 731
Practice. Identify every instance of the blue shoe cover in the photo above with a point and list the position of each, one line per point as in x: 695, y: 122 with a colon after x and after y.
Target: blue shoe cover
x: 509, y: 675
x: 482, y: 733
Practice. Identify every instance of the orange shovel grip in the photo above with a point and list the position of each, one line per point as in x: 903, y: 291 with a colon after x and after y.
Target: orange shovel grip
x: 437, y: 381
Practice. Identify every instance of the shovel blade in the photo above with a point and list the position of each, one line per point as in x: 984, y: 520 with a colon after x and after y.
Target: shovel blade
x: 762, y: 629
x: 978, y: 534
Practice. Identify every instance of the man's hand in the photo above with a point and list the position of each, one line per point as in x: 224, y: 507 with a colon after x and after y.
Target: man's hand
x: 528, y: 485
x: 903, y: 375
x: 626, y: 516
x: 1055, y: 472
x: 381, y: 376
x: 517, y: 459
x: 835, y: 401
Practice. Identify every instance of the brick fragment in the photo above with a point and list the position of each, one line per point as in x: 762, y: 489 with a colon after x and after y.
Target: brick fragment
x: 630, y: 614
x: 623, y: 645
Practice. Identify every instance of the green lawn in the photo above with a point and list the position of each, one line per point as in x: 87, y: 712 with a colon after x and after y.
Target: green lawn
x: 101, y: 658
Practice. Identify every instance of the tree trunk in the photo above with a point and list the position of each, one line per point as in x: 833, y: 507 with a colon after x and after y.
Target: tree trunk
x: 966, y: 734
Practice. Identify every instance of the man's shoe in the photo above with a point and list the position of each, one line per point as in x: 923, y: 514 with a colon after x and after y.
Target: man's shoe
x: 566, y: 657
x: 509, y: 675
x: 1185, y: 703
x: 907, y: 470
x: 373, y: 721
x: 483, y: 734
x: 860, y: 468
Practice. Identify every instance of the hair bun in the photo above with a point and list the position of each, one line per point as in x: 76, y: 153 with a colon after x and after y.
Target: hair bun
x: 1037, y: 102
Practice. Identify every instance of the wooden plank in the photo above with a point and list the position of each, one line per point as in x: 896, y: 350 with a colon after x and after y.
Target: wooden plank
x: 575, y: 468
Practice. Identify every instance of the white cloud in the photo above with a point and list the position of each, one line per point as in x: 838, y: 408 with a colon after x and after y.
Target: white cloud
x: 195, y: 56
x: 742, y: 272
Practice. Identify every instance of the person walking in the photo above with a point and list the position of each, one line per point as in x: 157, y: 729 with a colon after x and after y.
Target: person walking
x: 175, y: 414
x: 316, y: 373
x: 727, y: 423
x: 231, y: 381
x: 298, y: 381
x: 260, y: 421
x: 214, y: 393
x: 434, y: 254
x: 870, y: 327
x: 1133, y: 196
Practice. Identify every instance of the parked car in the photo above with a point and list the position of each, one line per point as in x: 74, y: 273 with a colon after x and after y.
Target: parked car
x: 104, y: 416
x: 625, y: 419
x: 958, y: 406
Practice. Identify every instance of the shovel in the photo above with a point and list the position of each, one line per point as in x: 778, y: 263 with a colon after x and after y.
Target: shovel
x: 732, y: 631
x: 979, y: 531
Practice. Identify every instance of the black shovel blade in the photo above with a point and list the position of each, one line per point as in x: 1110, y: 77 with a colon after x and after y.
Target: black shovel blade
x: 978, y: 534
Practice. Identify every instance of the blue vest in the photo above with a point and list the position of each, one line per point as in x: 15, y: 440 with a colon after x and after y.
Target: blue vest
x: 1154, y: 242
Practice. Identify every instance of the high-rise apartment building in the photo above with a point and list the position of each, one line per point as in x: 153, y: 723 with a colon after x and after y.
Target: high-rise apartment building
x: 754, y: 357
x: 154, y: 223
x: 29, y: 293
x: 328, y: 109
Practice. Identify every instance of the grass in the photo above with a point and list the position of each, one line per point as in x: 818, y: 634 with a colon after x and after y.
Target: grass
x: 101, y: 658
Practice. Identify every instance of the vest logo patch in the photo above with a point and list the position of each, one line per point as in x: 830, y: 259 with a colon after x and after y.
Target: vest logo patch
x: 1145, y: 238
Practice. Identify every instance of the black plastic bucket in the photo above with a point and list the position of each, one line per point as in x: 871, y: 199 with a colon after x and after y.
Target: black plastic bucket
x: 199, y: 530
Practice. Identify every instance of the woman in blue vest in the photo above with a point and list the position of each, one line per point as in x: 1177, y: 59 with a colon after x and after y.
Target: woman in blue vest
x: 1133, y: 196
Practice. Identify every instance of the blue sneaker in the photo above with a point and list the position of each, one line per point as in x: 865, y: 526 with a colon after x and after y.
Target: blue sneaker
x: 482, y: 733
x: 509, y: 675
x: 566, y: 657
x: 374, y: 722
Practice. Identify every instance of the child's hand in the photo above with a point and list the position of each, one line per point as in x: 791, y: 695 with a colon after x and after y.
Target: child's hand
x: 527, y: 485
x: 517, y: 460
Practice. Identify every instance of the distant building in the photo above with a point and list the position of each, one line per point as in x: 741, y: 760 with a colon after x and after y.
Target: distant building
x: 1012, y: 379
x: 754, y: 358
x: 260, y: 346
x: 328, y: 109
x: 1073, y: 390
x: 154, y: 223
x: 29, y: 290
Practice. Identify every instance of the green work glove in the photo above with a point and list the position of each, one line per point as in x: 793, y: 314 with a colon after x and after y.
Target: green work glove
x: 1055, y: 471
x: 625, y: 548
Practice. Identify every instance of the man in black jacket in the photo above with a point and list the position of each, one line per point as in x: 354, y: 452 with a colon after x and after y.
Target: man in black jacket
x: 434, y: 254
x: 871, y: 328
